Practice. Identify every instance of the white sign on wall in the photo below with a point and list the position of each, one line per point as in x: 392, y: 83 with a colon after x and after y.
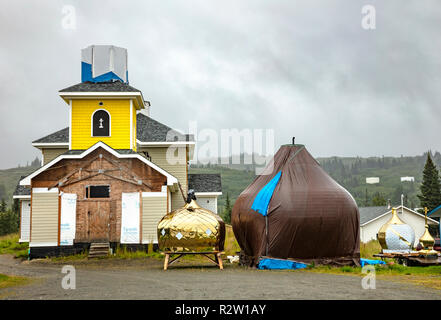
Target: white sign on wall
x: 68, y: 218
x: 130, y: 218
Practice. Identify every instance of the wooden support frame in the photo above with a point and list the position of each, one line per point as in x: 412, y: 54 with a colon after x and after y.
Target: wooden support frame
x: 217, y: 260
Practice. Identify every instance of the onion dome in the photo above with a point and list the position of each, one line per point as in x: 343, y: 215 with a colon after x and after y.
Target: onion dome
x: 191, y: 228
x: 395, y: 235
x: 295, y: 210
x: 426, y: 240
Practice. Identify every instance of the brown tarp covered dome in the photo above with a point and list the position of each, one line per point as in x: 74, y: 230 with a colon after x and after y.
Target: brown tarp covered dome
x: 310, y: 217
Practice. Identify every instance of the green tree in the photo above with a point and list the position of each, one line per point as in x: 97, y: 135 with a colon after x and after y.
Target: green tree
x: 378, y: 200
x: 430, y: 196
x: 227, y: 210
x: 8, y: 222
x: 3, y: 206
x: 366, y: 198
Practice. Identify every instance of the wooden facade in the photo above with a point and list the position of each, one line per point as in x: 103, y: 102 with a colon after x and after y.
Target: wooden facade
x: 99, y: 219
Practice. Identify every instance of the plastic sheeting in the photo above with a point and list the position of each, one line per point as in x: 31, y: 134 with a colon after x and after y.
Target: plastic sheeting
x: 68, y: 218
x: 263, y: 198
x: 364, y: 262
x: 130, y: 217
x: 279, y: 264
x: 310, y: 216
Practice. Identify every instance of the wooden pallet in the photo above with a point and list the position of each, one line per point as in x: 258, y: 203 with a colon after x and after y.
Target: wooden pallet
x: 98, y: 250
x: 217, y: 260
x: 413, y: 258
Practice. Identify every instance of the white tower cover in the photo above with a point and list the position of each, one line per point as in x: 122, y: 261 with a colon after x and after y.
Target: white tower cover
x: 102, y: 63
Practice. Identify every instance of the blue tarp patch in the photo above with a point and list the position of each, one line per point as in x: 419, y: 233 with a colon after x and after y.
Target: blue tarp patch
x: 279, y: 264
x: 364, y: 262
x: 263, y: 198
x: 86, y: 74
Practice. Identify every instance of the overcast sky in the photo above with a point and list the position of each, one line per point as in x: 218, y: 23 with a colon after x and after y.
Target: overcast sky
x: 303, y: 68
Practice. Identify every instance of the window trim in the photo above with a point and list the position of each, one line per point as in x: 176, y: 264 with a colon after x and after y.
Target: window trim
x: 87, y: 191
x: 110, y: 124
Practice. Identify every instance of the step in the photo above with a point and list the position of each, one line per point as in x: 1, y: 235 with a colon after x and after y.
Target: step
x: 99, y: 249
x: 91, y: 255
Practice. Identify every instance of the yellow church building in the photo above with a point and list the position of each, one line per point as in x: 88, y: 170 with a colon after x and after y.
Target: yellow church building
x: 108, y: 178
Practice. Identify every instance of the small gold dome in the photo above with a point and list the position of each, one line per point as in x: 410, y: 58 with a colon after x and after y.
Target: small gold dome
x: 191, y: 228
x: 426, y: 240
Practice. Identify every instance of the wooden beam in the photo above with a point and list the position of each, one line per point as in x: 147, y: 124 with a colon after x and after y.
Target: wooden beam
x: 81, y: 179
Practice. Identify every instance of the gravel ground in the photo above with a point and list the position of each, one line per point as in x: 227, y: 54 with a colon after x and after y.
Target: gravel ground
x: 145, y: 279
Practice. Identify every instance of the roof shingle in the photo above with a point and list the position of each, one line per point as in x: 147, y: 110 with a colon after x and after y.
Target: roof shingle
x: 204, y: 182
x: 111, y: 86
x: 61, y: 136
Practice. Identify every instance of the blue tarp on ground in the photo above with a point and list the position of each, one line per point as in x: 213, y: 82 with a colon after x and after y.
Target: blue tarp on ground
x: 364, y: 262
x: 263, y: 198
x: 279, y: 264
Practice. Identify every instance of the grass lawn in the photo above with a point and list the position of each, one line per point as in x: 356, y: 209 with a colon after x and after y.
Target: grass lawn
x: 9, y: 245
x: 11, y: 281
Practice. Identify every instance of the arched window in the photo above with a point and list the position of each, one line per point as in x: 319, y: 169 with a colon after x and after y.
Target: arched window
x: 101, y: 123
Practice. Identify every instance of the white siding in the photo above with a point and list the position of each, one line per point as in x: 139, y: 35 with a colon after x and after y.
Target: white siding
x: 369, y: 232
x: 207, y: 202
x: 176, y: 166
x: 154, y: 207
x: 25, y: 220
x: 44, y: 218
x: 49, y: 154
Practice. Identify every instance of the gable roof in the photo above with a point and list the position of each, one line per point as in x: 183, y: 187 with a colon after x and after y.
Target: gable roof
x: 147, y: 130
x: 21, y: 191
x: 61, y: 136
x: 369, y: 214
x: 150, y: 130
x: 203, y: 182
x: 79, y: 154
x: 110, y: 86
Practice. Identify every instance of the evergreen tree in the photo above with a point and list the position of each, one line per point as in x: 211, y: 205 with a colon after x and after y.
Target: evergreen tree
x: 366, y: 198
x: 378, y: 200
x: 3, y: 206
x: 227, y: 210
x: 430, y: 196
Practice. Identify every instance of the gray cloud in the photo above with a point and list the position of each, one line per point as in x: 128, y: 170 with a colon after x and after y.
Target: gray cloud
x: 304, y: 68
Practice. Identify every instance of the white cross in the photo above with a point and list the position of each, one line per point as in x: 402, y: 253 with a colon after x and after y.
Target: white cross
x: 101, y: 123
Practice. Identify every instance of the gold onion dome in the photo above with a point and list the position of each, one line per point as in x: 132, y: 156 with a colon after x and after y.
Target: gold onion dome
x: 191, y: 228
x: 395, y: 235
x: 426, y: 240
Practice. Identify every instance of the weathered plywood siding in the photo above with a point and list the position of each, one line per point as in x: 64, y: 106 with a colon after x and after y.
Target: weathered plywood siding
x: 175, y: 165
x: 50, y: 154
x: 44, y: 218
x: 154, y: 207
